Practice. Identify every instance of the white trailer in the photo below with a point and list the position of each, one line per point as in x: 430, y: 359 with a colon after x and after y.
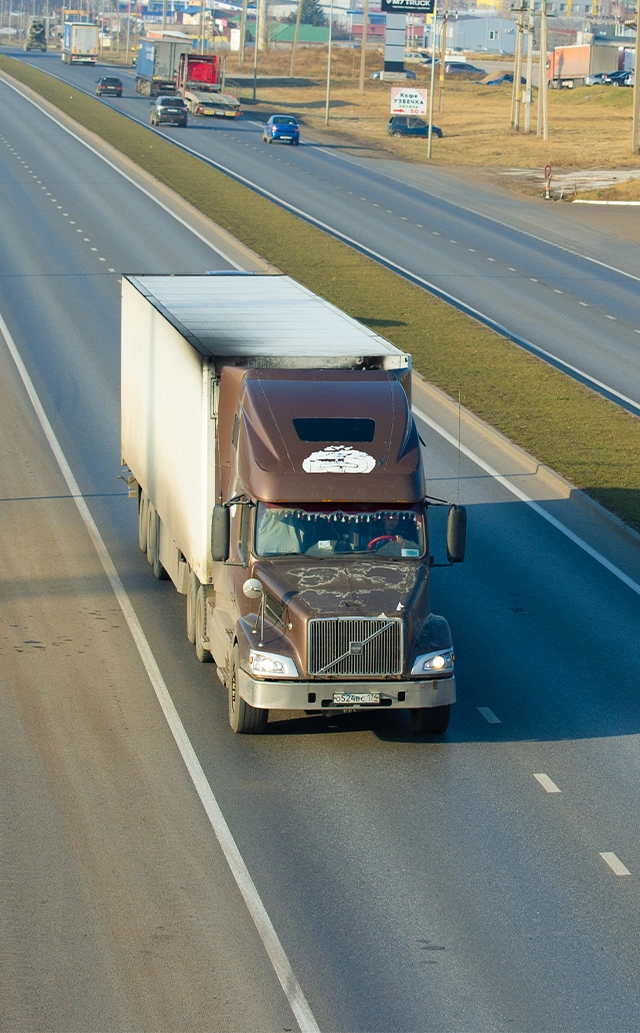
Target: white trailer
x: 80, y: 43
x: 177, y: 332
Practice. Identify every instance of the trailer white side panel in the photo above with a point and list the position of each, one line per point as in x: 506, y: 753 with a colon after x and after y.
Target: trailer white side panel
x: 168, y: 436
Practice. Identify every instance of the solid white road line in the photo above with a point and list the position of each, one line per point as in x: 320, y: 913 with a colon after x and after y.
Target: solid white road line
x: 257, y: 910
x: 547, y: 784
x: 615, y: 864
x: 489, y: 716
x: 535, y: 506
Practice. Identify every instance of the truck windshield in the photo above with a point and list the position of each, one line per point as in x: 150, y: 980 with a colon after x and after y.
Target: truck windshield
x: 324, y: 531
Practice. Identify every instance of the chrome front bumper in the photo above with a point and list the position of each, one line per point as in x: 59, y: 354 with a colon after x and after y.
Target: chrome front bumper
x: 301, y: 695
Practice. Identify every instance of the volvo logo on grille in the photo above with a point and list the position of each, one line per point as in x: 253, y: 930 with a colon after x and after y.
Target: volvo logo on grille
x: 356, y: 648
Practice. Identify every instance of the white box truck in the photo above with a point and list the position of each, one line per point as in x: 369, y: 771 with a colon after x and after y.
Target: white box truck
x: 80, y: 43
x: 280, y: 485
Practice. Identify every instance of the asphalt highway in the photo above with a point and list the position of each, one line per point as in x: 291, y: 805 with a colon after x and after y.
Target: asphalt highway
x: 533, y: 269
x: 474, y: 882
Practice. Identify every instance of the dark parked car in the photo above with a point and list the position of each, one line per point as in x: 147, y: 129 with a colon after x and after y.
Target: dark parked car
x: 617, y: 78
x: 109, y: 86
x: 506, y: 78
x: 410, y: 125
x: 463, y: 68
x: 169, y: 110
x: 281, y: 127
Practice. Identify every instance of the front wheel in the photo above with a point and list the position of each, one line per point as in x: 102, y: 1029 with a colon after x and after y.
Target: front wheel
x: 430, y: 720
x: 396, y: 134
x: 243, y: 718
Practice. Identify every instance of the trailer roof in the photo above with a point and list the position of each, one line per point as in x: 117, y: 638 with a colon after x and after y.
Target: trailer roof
x: 236, y: 315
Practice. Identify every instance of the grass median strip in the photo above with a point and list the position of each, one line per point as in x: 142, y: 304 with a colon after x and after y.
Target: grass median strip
x: 590, y: 441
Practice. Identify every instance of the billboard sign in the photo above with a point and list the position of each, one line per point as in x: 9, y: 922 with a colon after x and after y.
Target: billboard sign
x: 405, y: 100
x: 408, y: 6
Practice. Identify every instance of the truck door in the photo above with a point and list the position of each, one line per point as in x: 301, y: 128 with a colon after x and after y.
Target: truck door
x: 228, y: 579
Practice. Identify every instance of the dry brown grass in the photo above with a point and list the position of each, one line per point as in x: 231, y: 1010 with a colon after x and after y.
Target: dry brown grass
x: 588, y: 127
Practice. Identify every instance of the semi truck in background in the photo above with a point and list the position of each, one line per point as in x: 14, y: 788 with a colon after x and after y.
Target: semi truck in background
x: 199, y: 80
x: 80, y: 43
x: 569, y: 66
x: 157, y: 65
x: 36, y: 36
x: 270, y: 445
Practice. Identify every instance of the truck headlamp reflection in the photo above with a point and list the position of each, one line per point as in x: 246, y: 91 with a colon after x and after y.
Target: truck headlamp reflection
x: 434, y: 663
x: 271, y: 665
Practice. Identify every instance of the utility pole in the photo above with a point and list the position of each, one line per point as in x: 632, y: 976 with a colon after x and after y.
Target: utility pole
x: 443, y: 52
x: 529, y: 74
x: 363, y: 47
x: 296, y: 33
x: 243, y: 32
x: 636, y: 92
x: 543, y: 85
x: 255, y: 54
x: 328, y: 103
x: 263, y: 39
x: 201, y: 28
x: 517, y: 72
x: 433, y: 78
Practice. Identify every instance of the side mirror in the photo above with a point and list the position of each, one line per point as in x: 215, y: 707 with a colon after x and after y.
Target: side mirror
x: 252, y: 588
x: 456, y: 534
x: 220, y: 533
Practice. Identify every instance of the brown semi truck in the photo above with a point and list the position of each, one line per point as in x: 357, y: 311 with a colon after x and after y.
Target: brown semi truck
x: 280, y: 485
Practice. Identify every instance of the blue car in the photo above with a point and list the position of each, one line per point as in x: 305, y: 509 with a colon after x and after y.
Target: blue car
x: 281, y: 127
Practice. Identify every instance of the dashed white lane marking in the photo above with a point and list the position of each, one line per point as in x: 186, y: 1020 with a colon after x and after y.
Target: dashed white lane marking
x: 490, y: 259
x: 489, y: 716
x: 547, y: 783
x: 610, y: 317
x: 556, y: 291
x: 511, y: 269
x: 615, y: 864
x: 533, y: 279
x: 583, y: 303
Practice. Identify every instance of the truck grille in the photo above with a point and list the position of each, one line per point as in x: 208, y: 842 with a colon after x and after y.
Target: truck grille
x: 355, y: 647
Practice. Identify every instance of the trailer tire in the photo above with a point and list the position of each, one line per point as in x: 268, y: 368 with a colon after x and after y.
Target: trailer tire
x: 203, y: 654
x: 153, y: 544
x: 430, y: 720
x: 143, y: 518
x: 243, y: 718
x: 192, y: 593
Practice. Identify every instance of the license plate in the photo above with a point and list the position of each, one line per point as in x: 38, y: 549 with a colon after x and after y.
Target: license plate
x: 356, y: 697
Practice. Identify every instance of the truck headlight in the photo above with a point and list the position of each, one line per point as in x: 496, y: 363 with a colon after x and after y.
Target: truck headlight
x: 434, y: 663
x: 271, y: 665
